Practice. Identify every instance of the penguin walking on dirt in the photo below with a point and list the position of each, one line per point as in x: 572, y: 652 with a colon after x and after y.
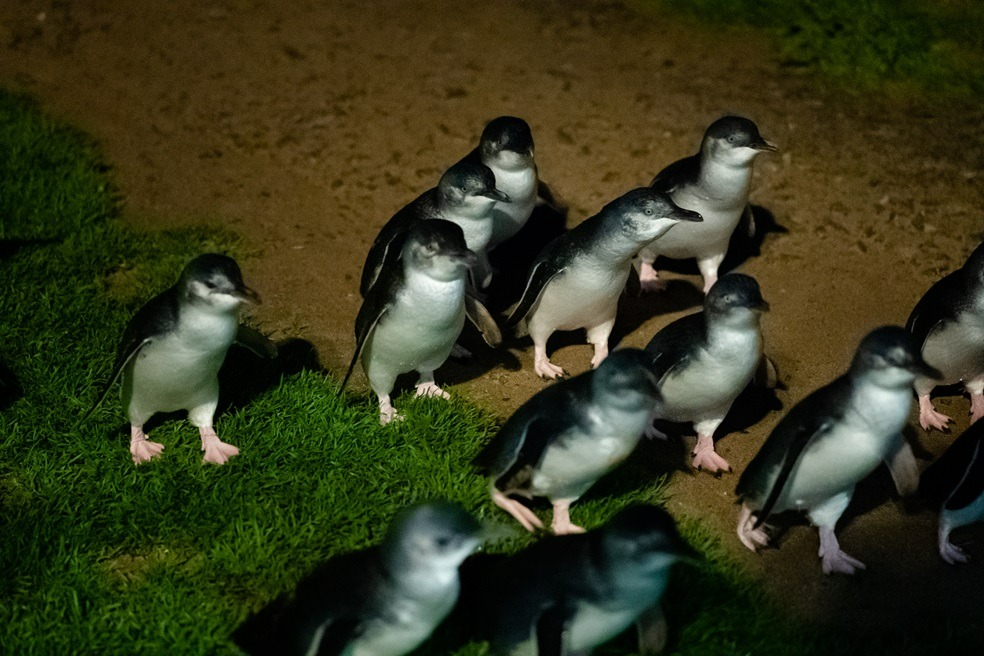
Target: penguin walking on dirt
x: 703, y: 361
x: 465, y: 195
x: 572, y: 593
x: 948, y: 324
x: 831, y: 440
x: 715, y: 182
x: 414, y: 312
x: 172, y: 350
x: 568, y: 435
x: 955, y: 482
x: 577, y: 279
x: 381, y: 601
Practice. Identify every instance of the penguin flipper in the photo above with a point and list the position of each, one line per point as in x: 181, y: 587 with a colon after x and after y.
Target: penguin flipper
x: 551, y: 631
x: 388, y: 245
x: 376, y: 304
x: 255, y: 341
x: 130, y: 351
x: 543, y: 272
x: 677, y: 174
x: 547, y: 197
x: 652, y: 631
x: 479, y: 315
x: 676, y: 344
x: 902, y: 464
x: 941, y: 303
x: 766, y: 375
x: 956, y: 478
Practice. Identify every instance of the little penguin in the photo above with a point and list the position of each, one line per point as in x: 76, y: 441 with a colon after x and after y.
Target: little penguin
x: 568, y: 435
x: 703, y: 361
x: 172, y: 350
x: 381, y: 601
x: 414, y: 312
x: 831, y: 440
x: 716, y: 183
x: 955, y: 482
x: 948, y: 324
x: 465, y: 195
x: 577, y: 279
x: 506, y: 147
x: 569, y: 594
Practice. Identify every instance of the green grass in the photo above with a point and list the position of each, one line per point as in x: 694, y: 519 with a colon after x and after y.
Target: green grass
x: 865, y: 44
x: 98, y: 556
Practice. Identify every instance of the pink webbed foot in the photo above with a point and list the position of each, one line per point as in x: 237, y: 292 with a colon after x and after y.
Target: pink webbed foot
x: 142, y: 449
x: 929, y: 418
x: 949, y: 552
x: 216, y: 451
x: 387, y: 412
x: 546, y: 369
x: 753, y: 538
x: 430, y: 389
x: 561, y: 523
x: 520, y: 513
x: 976, y: 407
x: 649, y: 280
x: 832, y: 559
x: 705, y: 458
x: 600, y: 353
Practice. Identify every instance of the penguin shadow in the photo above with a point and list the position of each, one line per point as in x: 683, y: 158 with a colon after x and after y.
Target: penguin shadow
x: 10, y: 247
x: 10, y: 388
x: 634, y: 310
x: 244, y: 376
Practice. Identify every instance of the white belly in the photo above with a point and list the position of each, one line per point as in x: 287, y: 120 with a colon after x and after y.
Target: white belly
x: 586, y: 295
x: 408, y: 623
x: 957, y: 350
x: 707, y: 386
x: 509, y: 218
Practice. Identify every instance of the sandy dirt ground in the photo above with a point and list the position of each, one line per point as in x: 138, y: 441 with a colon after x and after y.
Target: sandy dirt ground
x: 304, y: 126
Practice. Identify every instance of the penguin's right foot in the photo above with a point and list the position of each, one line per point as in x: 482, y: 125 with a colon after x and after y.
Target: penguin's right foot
x: 753, y: 538
x: 929, y: 418
x: 431, y: 389
x: 546, y: 369
x: 952, y: 554
x: 216, y: 451
x: 976, y: 407
x: 142, y: 449
x: 649, y: 280
x: 832, y: 559
x: 520, y: 513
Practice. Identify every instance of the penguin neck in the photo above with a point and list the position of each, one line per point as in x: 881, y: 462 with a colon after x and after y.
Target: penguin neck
x: 207, y: 325
x: 616, y: 244
x: 419, y: 283
x: 420, y: 577
x: 719, y: 177
x: 726, y: 327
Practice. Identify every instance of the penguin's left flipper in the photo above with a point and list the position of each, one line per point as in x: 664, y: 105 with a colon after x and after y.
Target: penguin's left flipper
x: 677, y: 174
x: 902, y: 464
x: 543, y: 272
x: 479, y: 315
x: 956, y: 478
x: 127, y: 353
x: 766, y: 375
x: 255, y: 341
x: 551, y: 631
x: 748, y: 220
x: 653, y: 631
x: 375, y: 305
x: 938, y: 305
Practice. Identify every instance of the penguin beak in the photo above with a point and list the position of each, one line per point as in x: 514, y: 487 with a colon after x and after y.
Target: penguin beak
x: 921, y: 368
x: 246, y: 295
x: 762, y: 305
x: 766, y: 146
x: 496, y: 194
x: 466, y: 256
x: 681, y: 214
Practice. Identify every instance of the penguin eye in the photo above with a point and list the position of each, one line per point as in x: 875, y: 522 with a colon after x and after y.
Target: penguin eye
x: 210, y: 284
x: 649, y: 211
x: 443, y: 542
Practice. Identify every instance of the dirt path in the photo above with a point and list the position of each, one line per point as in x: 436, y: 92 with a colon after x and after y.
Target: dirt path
x: 304, y: 128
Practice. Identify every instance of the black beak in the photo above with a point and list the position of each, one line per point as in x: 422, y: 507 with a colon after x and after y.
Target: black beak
x: 765, y: 146
x: 681, y: 214
x: 247, y: 295
x: 466, y: 256
x: 498, y: 195
x: 761, y: 306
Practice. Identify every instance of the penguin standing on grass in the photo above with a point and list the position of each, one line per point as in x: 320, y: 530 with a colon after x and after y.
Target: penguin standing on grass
x: 831, y: 440
x: 173, y: 348
x: 703, y: 361
x: 381, y: 601
x: 715, y: 182
x: 948, y: 324
x: 577, y: 279
x: 415, y: 311
x: 567, y: 436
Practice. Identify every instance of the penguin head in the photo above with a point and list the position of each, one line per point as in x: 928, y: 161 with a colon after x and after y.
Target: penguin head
x: 215, y: 281
x: 890, y: 357
x: 469, y: 188
x: 508, y: 142
x: 735, y: 140
x: 973, y: 270
x: 735, y: 296
x: 645, y: 214
x: 642, y: 540
x: 626, y: 380
x: 437, y: 247
x: 437, y: 535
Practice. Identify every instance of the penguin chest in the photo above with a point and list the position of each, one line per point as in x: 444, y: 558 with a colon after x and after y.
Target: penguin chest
x: 836, y: 461
x: 180, y: 370
x: 478, y: 231
x: 572, y: 464
x: 407, y: 622
x: 584, y: 296
x: 420, y: 328
x: 521, y: 187
x: 957, y: 349
x: 721, y: 206
x: 706, y: 386
x: 594, y: 624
